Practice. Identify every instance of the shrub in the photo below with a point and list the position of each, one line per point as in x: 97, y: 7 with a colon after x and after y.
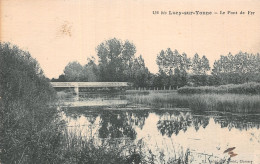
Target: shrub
x: 29, y: 130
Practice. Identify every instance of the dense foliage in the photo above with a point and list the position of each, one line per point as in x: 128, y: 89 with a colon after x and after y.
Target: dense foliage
x: 116, y: 62
x: 173, y: 68
x: 27, y: 123
x: 237, y: 69
x: 116, y: 59
x: 74, y: 71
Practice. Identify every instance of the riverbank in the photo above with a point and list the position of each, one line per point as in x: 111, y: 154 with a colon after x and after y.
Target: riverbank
x: 246, y: 88
x: 234, y: 103
x: 224, y: 102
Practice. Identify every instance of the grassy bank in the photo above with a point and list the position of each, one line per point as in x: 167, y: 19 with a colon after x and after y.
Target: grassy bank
x: 201, y: 102
x: 149, y: 91
x: 247, y: 88
x: 113, y: 151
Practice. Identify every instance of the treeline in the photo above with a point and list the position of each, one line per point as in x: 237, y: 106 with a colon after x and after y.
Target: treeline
x: 237, y: 69
x: 178, y: 70
x: 117, y: 62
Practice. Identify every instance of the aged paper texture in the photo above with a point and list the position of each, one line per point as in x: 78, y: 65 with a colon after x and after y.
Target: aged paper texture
x: 119, y: 69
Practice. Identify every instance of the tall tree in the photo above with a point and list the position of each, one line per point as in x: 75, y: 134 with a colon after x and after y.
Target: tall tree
x: 200, y: 66
x: 204, y: 65
x: 115, y: 59
x: 141, y: 75
x: 196, y: 64
x: 173, y: 65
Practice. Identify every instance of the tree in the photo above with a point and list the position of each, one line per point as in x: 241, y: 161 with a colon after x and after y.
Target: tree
x: 91, y: 71
x: 237, y: 69
x: 200, y: 66
x: 140, y: 73
x: 174, y: 66
x: 21, y: 76
x: 115, y: 59
x: 196, y: 64
x: 204, y: 65
x: 74, y: 72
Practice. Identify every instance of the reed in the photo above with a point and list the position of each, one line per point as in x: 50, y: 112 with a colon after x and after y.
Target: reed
x: 149, y: 91
x: 77, y: 149
x: 247, y: 88
x: 201, y: 102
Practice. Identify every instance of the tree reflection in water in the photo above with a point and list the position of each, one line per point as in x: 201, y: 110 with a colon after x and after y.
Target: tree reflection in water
x: 174, y: 122
x: 123, y: 123
x: 241, y: 122
x: 118, y: 124
x: 122, y: 130
x: 113, y: 123
x: 75, y: 113
x: 200, y: 121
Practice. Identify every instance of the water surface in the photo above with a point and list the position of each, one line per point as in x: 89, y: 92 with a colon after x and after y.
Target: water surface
x: 167, y: 132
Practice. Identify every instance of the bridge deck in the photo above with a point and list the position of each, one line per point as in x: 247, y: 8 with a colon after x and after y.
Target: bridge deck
x: 89, y: 84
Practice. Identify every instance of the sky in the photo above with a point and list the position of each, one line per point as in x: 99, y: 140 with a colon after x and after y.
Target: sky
x: 57, y: 32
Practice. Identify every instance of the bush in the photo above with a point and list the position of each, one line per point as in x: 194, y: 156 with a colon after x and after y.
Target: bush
x: 29, y: 130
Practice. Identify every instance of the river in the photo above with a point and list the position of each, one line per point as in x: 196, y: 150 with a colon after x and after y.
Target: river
x: 166, y: 132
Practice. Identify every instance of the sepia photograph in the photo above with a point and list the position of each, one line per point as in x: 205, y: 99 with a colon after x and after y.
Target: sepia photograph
x: 129, y: 82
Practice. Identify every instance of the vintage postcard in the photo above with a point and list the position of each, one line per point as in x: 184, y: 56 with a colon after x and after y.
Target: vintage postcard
x: 130, y: 81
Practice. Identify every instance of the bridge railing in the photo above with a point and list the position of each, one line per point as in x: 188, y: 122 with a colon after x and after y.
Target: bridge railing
x: 89, y: 84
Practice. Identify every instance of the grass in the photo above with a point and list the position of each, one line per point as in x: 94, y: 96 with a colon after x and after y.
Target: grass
x: 201, y: 102
x: 113, y: 151
x: 148, y: 91
x: 247, y: 88
x: 76, y: 149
